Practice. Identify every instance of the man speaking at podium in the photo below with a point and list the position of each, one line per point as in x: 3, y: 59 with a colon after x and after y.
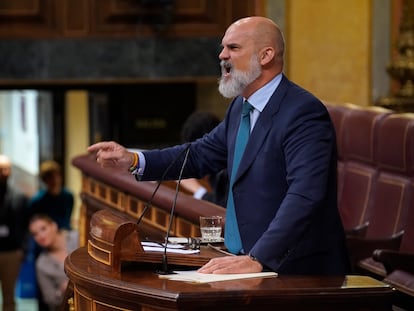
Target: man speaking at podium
x: 281, y: 211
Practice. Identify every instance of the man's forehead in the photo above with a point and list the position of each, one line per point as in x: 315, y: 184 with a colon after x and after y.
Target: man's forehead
x: 235, y: 35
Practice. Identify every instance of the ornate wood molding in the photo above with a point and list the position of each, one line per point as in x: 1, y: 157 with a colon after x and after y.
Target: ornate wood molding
x: 103, y: 188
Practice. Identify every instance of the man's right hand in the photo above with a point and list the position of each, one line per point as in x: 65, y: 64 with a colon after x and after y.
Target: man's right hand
x: 112, y: 154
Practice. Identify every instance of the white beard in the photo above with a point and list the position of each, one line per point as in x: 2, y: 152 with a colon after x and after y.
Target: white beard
x: 239, y: 80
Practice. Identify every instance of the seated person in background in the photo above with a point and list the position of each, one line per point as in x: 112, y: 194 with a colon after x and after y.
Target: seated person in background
x: 55, y: 200
x: 196, y: 126
x: 56, y: 246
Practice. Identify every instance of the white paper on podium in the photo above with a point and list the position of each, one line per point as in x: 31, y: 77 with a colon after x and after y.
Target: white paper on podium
x: 171, y: 248
x: 196, y: 277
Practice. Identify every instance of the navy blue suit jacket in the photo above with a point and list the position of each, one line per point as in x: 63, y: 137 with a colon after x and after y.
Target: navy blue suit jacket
x: 285, y: 187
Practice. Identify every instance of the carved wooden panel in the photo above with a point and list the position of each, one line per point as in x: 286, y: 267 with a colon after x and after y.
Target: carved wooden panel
x: 28, y: 18
x: 75, y: 17
x: 181, y: 17
x: 176, y: 18
x: 155, y: 217
x: 125, y: 18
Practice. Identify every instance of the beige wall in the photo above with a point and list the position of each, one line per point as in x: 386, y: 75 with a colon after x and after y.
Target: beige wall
x: 329, y: 48
x: 77, y: 138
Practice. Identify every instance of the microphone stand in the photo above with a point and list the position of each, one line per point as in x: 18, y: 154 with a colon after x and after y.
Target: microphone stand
x: 165, y: 269
x: 149, y: 203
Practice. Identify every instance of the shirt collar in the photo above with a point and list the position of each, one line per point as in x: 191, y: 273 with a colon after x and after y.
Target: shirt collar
x: 260, y: 98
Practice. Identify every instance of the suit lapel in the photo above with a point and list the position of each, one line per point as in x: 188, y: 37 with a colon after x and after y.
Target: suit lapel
x: 262, y: 127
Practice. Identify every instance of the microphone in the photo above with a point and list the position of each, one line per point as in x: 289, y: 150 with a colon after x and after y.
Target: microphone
x: 165, y: 270
x: 149, y: 202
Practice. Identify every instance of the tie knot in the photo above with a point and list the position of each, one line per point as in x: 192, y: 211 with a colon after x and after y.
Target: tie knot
x: 246, y: 108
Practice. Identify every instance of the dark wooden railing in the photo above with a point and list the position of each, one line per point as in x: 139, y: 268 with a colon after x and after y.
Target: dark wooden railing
x: 119, y: 191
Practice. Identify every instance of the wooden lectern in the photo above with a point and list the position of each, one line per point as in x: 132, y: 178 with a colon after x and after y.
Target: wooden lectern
x: 139, y: 288
x: 114, y: 239
x: 101, y: 282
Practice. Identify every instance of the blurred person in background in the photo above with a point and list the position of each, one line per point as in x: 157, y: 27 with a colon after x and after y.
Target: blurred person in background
x: 56, y: 244
x: 54, y: 200
x: 196, y: 126
x: 13, y: 233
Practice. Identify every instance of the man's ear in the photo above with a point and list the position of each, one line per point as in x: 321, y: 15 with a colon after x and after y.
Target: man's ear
x: 267, y: 54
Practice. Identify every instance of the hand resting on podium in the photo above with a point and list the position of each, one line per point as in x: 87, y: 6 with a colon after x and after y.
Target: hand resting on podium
x: 231, y: 264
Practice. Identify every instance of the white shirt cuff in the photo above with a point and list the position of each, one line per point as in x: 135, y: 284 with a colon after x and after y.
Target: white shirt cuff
x: 201, y: 191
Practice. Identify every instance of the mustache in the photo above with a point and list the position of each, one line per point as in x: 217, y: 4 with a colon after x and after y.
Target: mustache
x: 224, y: 64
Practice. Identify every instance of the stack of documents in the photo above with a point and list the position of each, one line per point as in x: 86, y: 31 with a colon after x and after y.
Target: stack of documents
x: 171, y: 248
x: 196, y: 277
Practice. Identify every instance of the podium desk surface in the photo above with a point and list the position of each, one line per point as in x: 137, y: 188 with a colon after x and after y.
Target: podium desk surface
x: 138, y: 287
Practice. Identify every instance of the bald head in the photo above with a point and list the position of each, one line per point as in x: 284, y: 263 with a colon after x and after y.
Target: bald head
x: 252, y: 55
x: 4, y: 161
x: 263, y: 31
x: 5, y: 168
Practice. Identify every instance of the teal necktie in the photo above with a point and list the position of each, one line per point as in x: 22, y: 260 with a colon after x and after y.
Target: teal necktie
x: 232, y: 238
